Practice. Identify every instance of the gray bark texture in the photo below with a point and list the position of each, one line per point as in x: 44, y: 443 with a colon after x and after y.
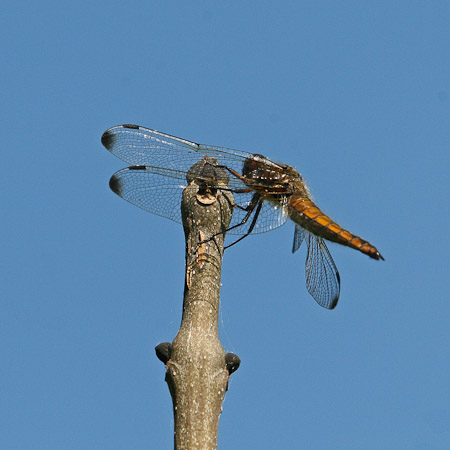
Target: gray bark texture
x: 197, y: 373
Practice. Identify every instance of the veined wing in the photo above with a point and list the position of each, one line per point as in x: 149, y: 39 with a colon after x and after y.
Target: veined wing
x: 159, y: 190
x: 138, y: 145
x: 322, y: 276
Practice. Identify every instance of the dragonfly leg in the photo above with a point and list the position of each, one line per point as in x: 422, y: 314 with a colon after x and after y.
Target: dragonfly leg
x: 252, y: 225
x: 233, y: 172
x: 256, y: 202
x: 234, y: 204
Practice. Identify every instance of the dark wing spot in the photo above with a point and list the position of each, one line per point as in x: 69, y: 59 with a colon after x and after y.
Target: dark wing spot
x: 115, y: 184
x: 133, y: 127
x: 137, y: 168
x: 108, y: 139
x: 334, y: 302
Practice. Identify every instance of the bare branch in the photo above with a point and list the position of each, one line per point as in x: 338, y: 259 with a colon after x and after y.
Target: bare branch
x: 197, y: 367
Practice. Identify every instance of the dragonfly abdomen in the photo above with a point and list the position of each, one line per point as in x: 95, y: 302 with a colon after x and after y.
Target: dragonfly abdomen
x: 304, y: 211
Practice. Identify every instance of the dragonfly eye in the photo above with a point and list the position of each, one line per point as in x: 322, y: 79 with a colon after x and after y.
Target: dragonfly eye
x: 207, y: 171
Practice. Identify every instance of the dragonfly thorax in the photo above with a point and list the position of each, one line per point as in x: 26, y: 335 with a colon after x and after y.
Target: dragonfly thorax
x: 262, y: 174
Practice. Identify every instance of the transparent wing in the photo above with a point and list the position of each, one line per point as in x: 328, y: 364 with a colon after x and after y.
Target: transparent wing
x: 142, y: 146
x: 322, y: 277
x: 158, y: 190
x: 299, y: 237
x: 271, y: 216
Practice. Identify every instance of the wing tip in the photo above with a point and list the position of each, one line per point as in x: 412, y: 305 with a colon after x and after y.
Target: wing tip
x: 334, y: 303
x: 115, y: 184
x: 107, y: 139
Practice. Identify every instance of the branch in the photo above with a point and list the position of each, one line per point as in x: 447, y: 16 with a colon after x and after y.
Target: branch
x: 197, y: 367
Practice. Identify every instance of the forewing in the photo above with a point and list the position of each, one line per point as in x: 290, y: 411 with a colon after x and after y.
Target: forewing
x: 322, y: 276
x: 142, y: 146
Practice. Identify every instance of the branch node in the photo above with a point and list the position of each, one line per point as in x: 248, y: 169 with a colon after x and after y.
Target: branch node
x: 232, y: 362
x: 164, y: 351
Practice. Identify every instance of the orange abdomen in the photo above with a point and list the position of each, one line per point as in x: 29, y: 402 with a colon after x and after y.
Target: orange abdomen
x: 303, y: 211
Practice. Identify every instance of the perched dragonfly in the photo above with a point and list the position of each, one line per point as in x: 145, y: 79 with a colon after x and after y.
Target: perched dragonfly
x: 266, y: 195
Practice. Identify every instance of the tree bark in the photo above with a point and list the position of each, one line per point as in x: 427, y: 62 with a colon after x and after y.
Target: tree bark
x: 197, y: 367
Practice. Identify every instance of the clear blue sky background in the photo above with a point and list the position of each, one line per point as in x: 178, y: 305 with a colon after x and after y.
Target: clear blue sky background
x: 355, y: 94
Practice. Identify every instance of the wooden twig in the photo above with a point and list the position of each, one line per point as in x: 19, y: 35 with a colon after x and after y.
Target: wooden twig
x: 197, y: 366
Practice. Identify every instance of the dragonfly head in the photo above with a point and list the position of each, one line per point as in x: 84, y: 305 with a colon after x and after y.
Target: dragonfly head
x: 207, y: 171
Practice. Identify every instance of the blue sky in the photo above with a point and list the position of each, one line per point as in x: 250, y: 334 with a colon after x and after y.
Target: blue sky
x: 355, y: 95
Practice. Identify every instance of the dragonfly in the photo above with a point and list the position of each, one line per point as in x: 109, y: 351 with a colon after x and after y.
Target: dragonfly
x: 266, y: 194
